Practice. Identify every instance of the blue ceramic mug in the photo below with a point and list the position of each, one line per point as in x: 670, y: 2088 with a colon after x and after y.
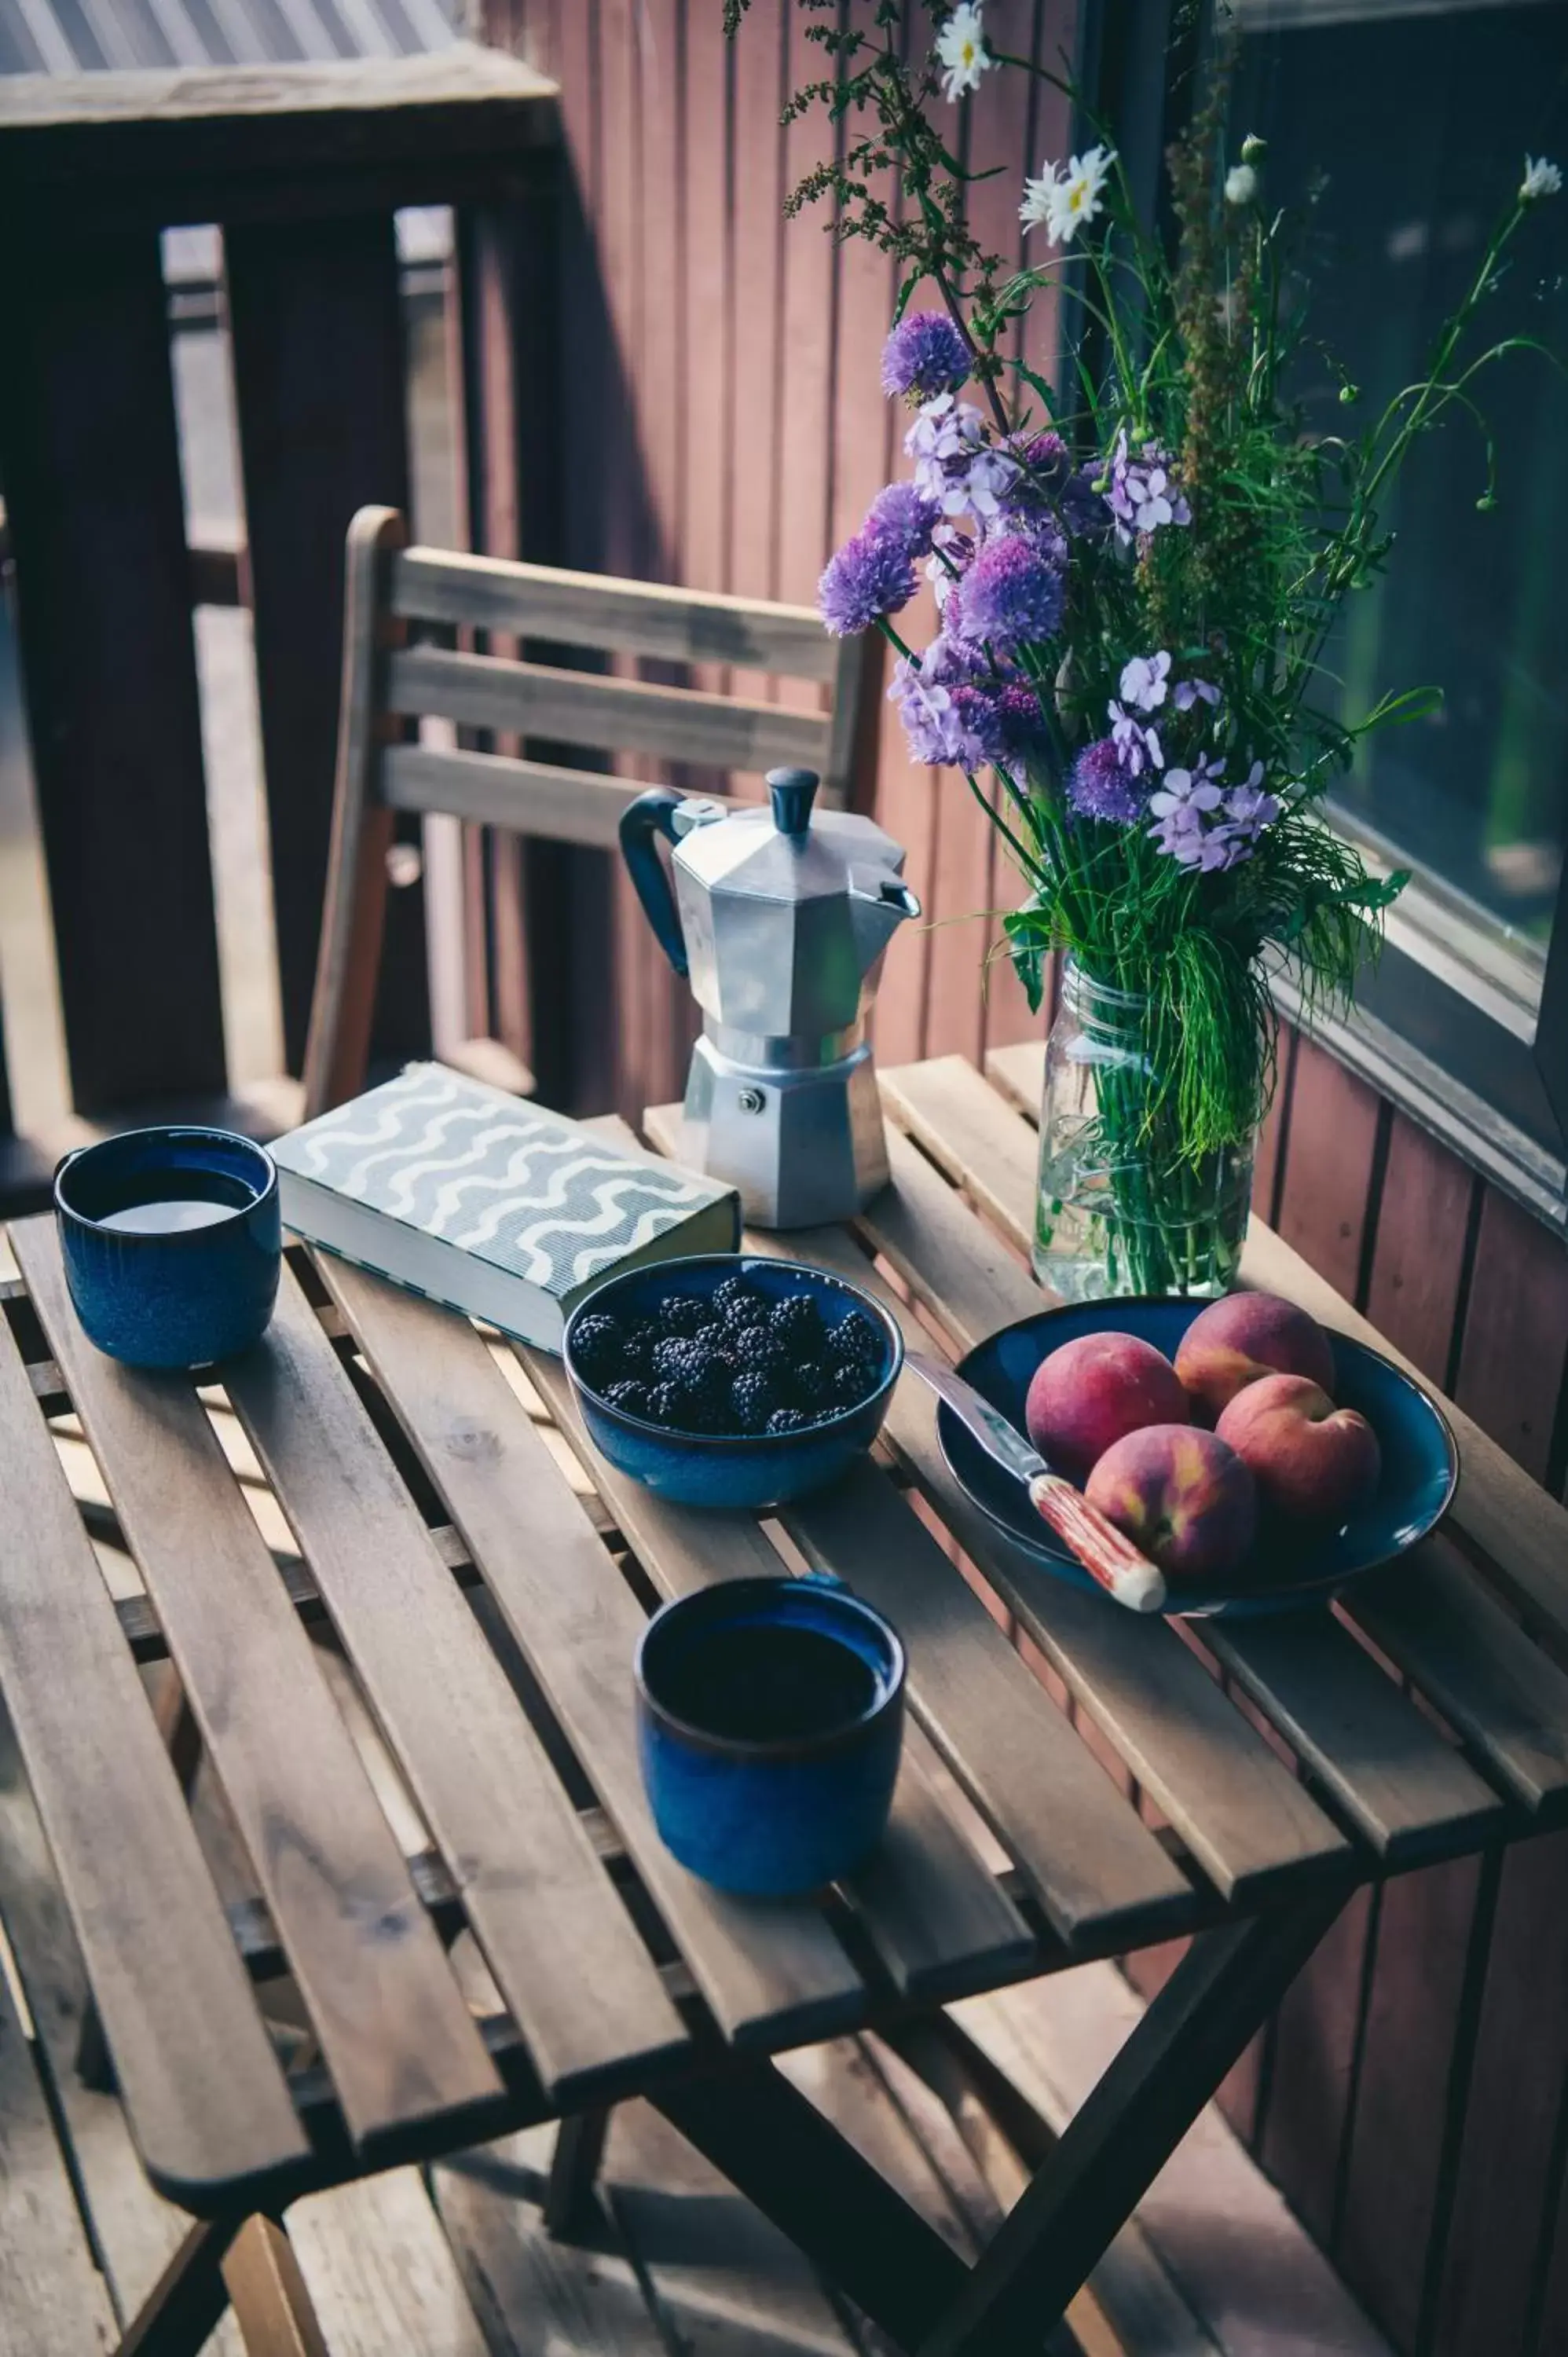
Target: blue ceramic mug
x: 770, y: 1715
x: 172, y: 1243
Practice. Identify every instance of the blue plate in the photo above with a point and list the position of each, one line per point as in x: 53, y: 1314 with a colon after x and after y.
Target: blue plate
x: 1288, y: 1565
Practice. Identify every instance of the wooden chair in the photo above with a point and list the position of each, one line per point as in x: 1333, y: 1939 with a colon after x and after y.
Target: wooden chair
x: 391, y: 679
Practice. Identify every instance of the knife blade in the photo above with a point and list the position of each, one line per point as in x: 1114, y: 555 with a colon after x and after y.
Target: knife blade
x: 1106, y: 1553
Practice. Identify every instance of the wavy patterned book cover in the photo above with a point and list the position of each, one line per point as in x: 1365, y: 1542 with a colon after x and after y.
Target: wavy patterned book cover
x: 488, y: 1203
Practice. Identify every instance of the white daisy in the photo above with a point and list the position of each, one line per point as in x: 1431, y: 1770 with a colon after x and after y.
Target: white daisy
x: 1067, y: 196
x: 1540, y: 179
x: 960, y: 49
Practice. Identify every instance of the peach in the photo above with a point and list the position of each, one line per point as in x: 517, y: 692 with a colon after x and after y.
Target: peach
x: 1245, y: 1335
x: 1309, y: 1458
x: 1091, y: 1393
x: 1182, y: 1495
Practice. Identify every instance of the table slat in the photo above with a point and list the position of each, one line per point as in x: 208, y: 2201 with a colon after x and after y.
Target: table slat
x: 563, y: 1952
x: 1406, y: 1790
x: 968, y: 1132
x: 929, y: 1907
x: 1090, y: 1858
x: 1490, y: 1681
x: 203, y: 2089
x: 1512, y: 1520
x: 394, y: 2031
x: 767, y: 1971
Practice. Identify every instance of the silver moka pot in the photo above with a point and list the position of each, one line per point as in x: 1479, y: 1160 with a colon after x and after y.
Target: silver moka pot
x: 781, y: 919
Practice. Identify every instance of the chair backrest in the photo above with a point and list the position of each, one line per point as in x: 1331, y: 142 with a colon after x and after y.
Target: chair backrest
x: 392, y: 678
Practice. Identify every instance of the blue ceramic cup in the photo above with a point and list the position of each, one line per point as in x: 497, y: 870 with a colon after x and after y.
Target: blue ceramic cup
x: 172, y: 1243
x: 770, y: 1715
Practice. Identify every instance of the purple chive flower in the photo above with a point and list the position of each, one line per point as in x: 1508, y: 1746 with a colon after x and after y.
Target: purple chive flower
x: 1138, y: 747
x: 870, y: 577
x: 1142, y: 682
x: 1048, y: 481
x: 903, y: 513
x: 1142, y: 492
x: 925, y: 355
x: 998, y: 723
x: 1101, y: 784
x: 1010, y: 593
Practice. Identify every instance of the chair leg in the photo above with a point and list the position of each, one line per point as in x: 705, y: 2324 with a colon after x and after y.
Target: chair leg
x: 183, y: 1744
x: 271, y: 2306
x: 579, y: 2150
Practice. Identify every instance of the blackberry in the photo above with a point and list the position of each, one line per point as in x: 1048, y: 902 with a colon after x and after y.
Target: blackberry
x: 680, y: 1313
x: 788, y: 1419
x: 853, y: 1342
x: 696, y: 1407
x: 848, y: 1382
x: 798, y: 1322
x: 759, y: 1348
x: 738, y: 1303
x: 716, y: 1340
x: 752, y: 1399
x: 633, y: 1398
x: 597, y: 1345
x: 662, y: 1402
x: 682, y: 1359
x: 811, y: 1383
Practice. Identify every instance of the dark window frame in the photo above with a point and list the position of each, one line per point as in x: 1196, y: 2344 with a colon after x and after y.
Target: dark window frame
x: 1466, y: 1040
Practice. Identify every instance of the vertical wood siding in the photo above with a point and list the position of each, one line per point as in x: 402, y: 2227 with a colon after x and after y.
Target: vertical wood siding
x: 720, y: 424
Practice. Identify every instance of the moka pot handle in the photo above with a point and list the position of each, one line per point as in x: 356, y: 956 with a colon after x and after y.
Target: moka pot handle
x: 654, y: 814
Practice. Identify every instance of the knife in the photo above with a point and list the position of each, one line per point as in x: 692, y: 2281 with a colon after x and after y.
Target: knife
x: 1105, y: 1553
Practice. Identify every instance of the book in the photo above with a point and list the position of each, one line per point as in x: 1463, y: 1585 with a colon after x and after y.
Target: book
x: 488, y: 1203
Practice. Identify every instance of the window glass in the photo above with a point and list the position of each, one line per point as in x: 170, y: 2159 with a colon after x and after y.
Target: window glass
x: 1415, y: 120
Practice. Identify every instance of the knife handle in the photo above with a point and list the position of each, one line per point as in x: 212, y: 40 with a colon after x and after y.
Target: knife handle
x: 1105, y: 1553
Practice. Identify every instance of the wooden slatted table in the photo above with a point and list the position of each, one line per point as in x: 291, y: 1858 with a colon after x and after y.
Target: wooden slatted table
x: 484, y: 1577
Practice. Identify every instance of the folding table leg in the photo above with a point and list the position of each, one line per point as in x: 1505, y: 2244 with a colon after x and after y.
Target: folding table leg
x: 271, y: 2306
x: 1197, y: 2027
x: 784, y: 2155
x: 188, y: 2299
x: 574, y: 2169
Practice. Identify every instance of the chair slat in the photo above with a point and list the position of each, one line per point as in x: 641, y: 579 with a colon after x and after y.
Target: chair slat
x: 562, y: 1949
x: 394, y: 2031
x: 587, y: 610
x: 564, y: 805
x: 578, y: 707
x: 767, y: 1970
x: 167, y: 1978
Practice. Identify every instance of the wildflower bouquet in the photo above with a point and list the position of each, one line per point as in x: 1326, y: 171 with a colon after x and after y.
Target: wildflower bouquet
x: 1134, y: 581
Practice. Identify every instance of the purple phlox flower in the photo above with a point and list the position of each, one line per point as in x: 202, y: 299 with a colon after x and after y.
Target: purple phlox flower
x: 924, y: 693
x: 871, y: 576
x: 1138, y: 747
x: 1142, y: 492
x: 1248, y: 811
x: 1101, y: 784
x: 1142, y: 682
x: 955, y: 465
x: 904, y: 513
x: 1191, y: 790
x: 1011, y: 593
x: 1189, y: 692
x: 924, y: 355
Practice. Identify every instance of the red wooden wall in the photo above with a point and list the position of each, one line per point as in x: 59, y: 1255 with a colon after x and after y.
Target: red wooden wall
x: 720, y: 423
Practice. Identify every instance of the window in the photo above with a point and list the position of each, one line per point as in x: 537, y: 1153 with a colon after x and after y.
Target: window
x: 1413, y: 117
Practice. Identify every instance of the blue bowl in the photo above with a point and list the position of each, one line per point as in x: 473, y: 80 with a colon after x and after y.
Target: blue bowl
x: 770, y: 1716
x: 1288, y: 1565
x: 160, y: 1299
x: 700, y: 1468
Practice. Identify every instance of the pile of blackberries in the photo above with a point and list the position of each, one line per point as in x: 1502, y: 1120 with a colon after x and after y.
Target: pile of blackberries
x: 731, y: 1361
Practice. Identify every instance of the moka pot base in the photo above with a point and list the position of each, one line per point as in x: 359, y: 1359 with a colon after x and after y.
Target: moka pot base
x: 796, y: 1129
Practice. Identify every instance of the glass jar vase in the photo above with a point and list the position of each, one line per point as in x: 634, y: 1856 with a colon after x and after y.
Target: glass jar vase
x: 1119, y: 1208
